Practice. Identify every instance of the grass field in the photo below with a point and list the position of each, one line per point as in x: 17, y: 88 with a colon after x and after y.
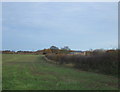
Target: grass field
x: 32, y: 72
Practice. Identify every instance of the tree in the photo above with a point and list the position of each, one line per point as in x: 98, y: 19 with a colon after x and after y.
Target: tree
x: 98, y: 52
x: 65, y: 48
x: 54, y: 49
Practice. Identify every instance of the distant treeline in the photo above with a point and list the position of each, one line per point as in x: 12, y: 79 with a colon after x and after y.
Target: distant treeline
x: 45, y: 51
x: 105, y: 62
x: 52, y: 49
x: 56, y: 50
x: 20, y: 52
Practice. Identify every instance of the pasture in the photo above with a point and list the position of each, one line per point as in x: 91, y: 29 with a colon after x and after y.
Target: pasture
x: 33, y: 72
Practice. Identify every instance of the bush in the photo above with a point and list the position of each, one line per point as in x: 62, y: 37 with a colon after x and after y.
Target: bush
x: 106, y: 63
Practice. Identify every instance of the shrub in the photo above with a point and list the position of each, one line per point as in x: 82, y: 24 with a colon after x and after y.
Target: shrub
x: 106, y: 63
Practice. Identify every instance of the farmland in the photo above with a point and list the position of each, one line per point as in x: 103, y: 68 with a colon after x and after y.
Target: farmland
x: 33, y: 72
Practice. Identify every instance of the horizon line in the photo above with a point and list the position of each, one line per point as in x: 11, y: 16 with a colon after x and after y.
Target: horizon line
x: 59, y: 49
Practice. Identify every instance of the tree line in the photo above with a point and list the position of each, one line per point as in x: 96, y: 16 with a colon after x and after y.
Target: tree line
x: 52, y: 49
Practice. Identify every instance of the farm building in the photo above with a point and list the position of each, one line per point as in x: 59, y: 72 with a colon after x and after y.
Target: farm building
x: 77, y: 52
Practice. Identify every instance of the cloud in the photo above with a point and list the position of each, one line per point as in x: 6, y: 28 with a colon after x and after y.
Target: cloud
x: 75, y: 24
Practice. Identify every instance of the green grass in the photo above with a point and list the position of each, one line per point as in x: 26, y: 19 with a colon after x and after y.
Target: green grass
x: 32, y: 72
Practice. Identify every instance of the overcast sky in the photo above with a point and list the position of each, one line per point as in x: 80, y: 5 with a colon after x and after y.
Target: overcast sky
x: 81, y: 26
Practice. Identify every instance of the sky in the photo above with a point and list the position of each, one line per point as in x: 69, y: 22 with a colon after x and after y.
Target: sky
x: 0, y: 26
x: 81, y: 26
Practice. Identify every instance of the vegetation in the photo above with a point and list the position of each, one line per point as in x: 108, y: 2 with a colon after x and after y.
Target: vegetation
x: 106, y: 63
x: 52, y: 49
x: 33, y: 72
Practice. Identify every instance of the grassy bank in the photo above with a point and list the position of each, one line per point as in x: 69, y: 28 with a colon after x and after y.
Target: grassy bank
x: 33, y: 72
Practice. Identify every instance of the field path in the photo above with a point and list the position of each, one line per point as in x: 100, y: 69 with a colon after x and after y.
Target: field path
x: 32, y: 72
